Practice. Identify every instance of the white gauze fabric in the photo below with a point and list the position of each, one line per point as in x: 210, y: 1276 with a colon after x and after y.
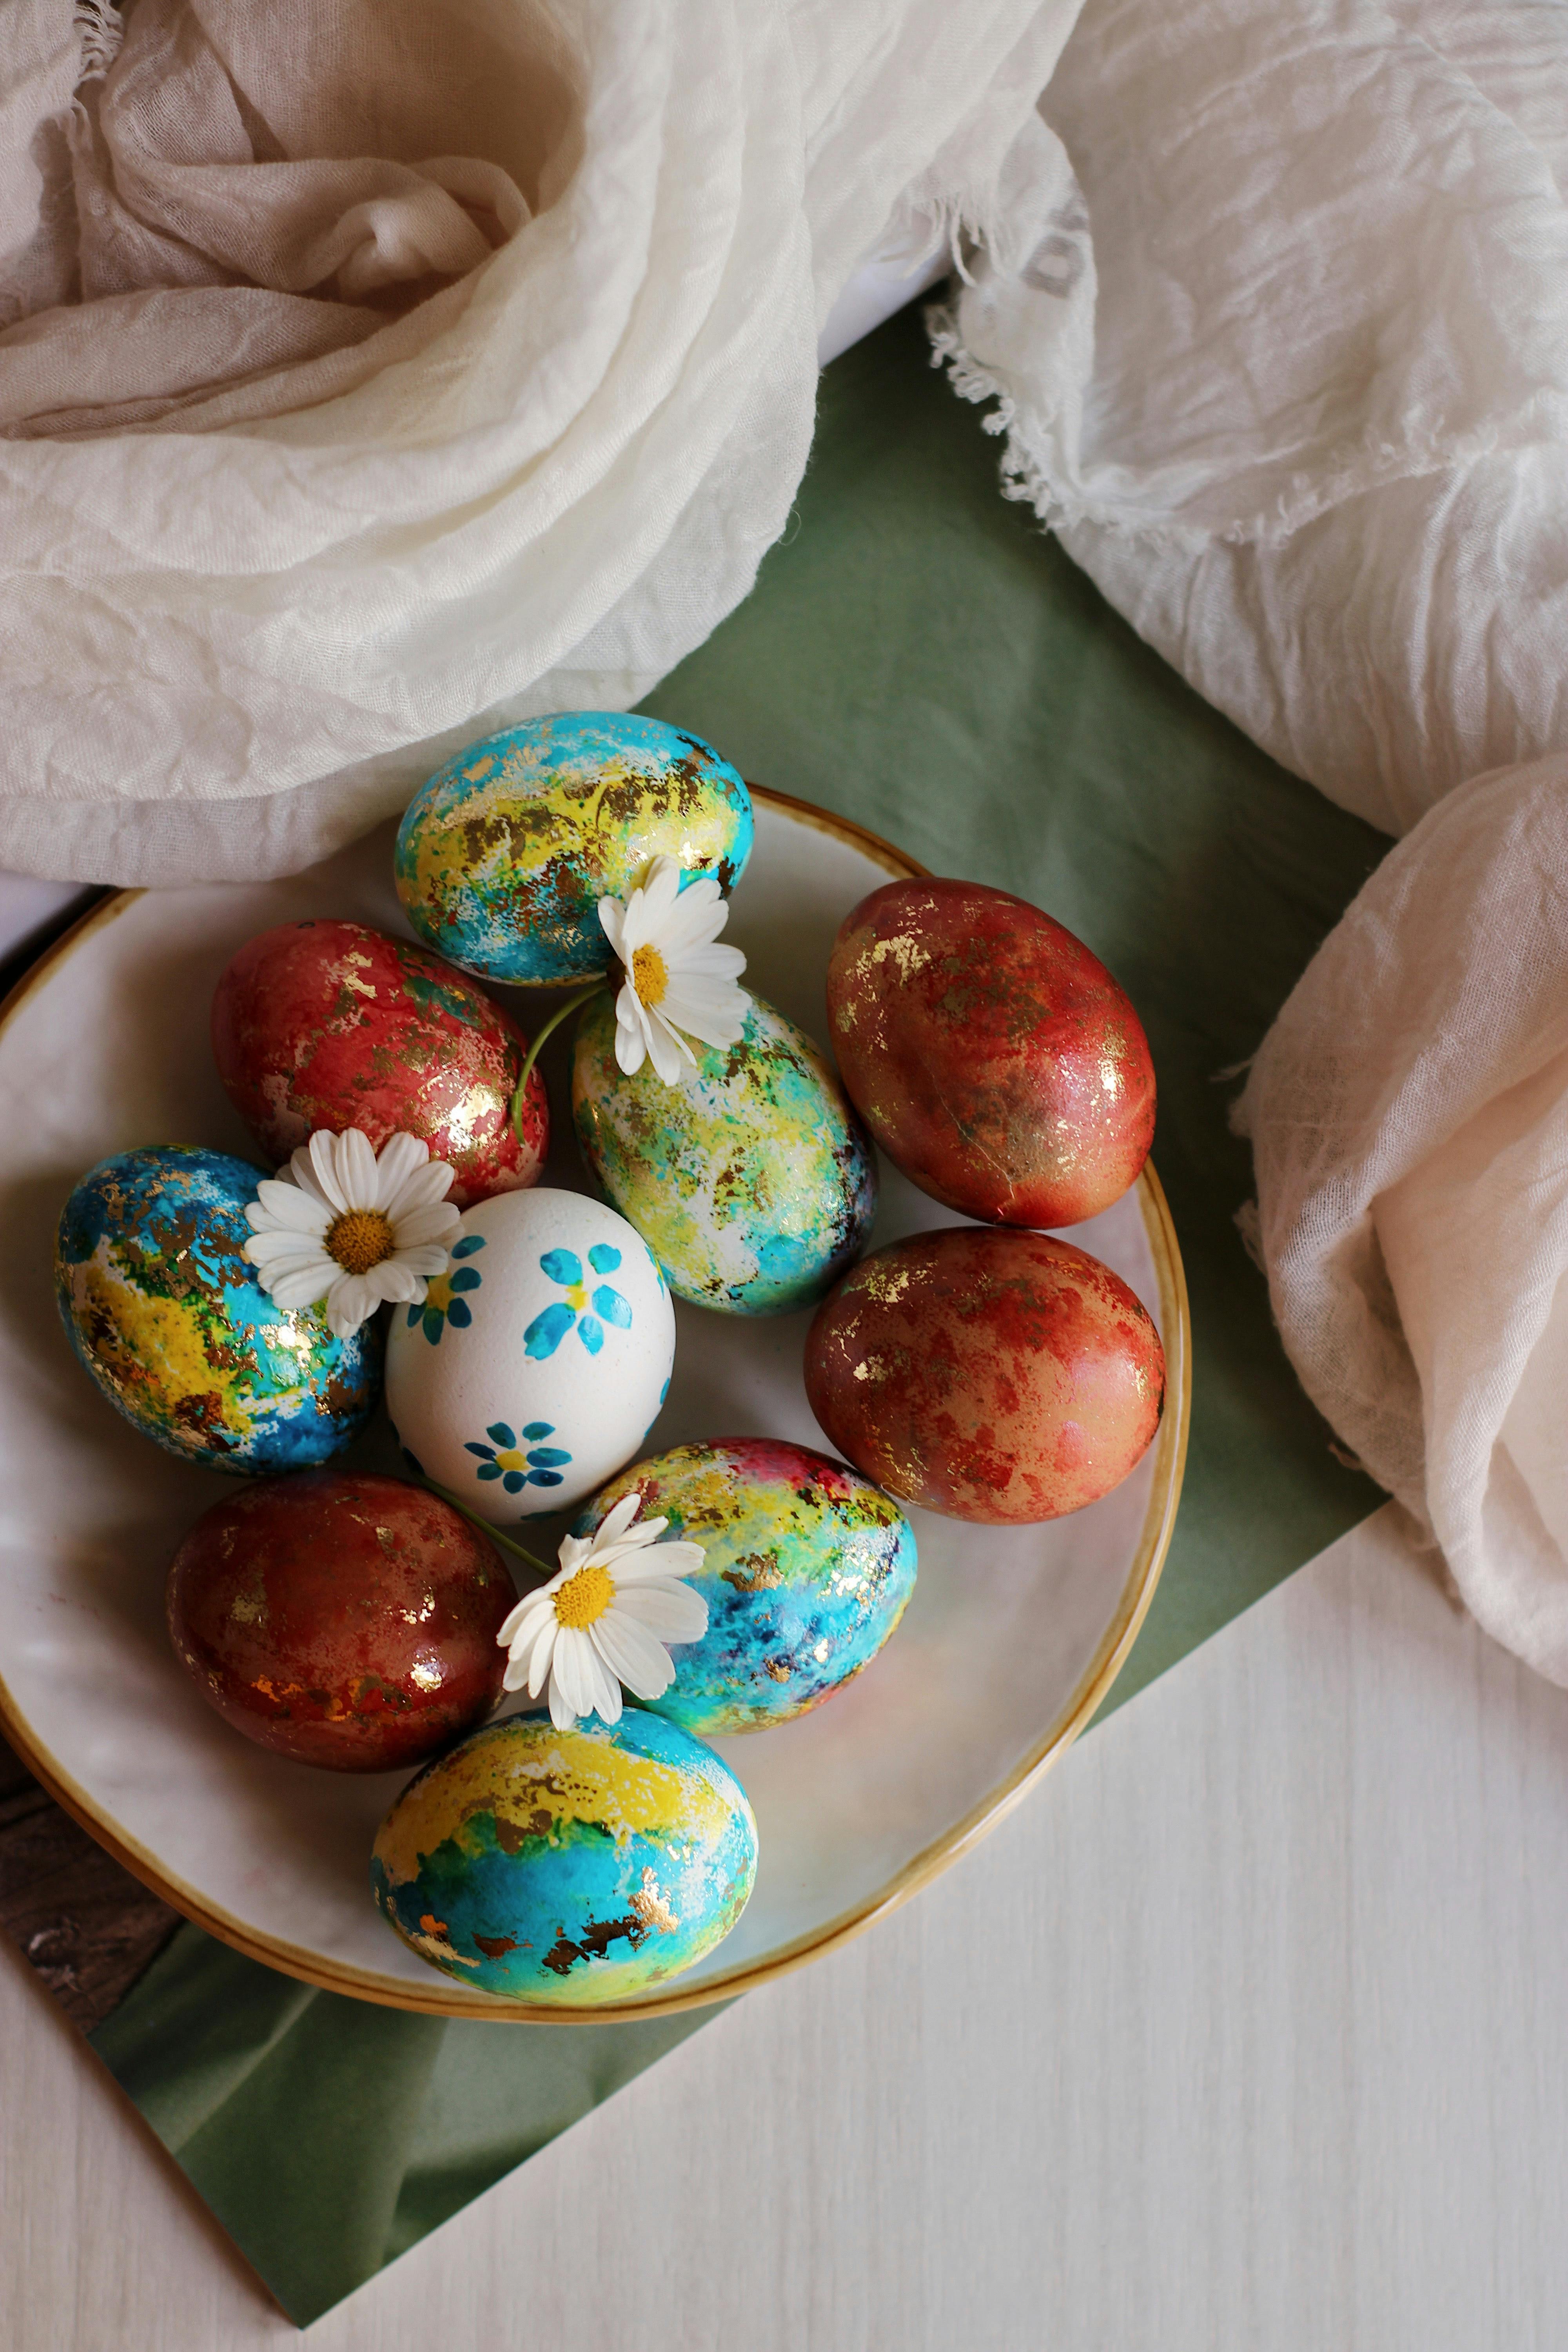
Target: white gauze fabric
x: 1409, y: 1119
x: 1281, y: 349
x: 375, y: 372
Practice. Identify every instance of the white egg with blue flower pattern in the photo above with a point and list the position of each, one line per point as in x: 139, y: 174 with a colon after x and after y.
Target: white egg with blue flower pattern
x: 539, y: 1360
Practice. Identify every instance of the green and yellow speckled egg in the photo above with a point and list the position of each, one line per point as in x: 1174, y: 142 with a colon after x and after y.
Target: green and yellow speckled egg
x: 751, y: 1179
x: 806, y: 1569
x: 166, y: 1311
x: 567, y: 1868
x: 502, y: 857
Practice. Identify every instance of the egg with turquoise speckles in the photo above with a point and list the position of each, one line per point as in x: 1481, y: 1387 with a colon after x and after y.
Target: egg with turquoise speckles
x: 567, y: 1868
x: 538, y: 1361
x: 808, y: 1568
x: 504, y: 857
x: 165, y: 1312
x: 751, y: 1178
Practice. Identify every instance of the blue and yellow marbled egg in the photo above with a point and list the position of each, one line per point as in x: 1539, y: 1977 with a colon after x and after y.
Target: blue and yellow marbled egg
x: 502, y: 857
x: 164, y: 1310
x: 808, y: 1569
x: 751, y: 1179
x: 567, y: 1868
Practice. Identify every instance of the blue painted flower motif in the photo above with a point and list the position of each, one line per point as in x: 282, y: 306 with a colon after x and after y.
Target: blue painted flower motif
x: 550, y: 1325
x: 443, y: 1301
x: 506, y: 1460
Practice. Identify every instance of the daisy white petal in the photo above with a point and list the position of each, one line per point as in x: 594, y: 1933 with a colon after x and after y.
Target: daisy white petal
x: 291, y: 1291
x: 665, y: 1051
x: 351, y: 1301
x: 358, y: 1176
x: 539, y: 1650
x: 573, y: 1552
x: 400, y: 1157
x: 709, y: 1024
x: 424, y: 1188
x: 605, y: 1690
x: 511, y: 1623
x: 618, y: 1519
x: 395, y: 1279
x: 285, y: 1250
x: 671, y: 1611
x: 563, y: 1713
x: 435, y: 1222
x: 695, y: 921
x: 630, y: 1651
x: 426, y: 1260
x: 657, y: 894
x: 287, y: 1205
x: 612, y: 921
x: 319, y: 1171
x: 573, y: 1667
x: 668, y: 1559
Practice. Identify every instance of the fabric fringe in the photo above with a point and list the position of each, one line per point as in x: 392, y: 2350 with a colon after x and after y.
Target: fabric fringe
x: 100, y: 28
x: 1369, y: 464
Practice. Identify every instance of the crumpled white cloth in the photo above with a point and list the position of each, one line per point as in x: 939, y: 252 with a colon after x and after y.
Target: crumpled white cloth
x: 1409, y: 1119
x: 374, y: 372
x: 1278, y: 335
x: 1281, y: 332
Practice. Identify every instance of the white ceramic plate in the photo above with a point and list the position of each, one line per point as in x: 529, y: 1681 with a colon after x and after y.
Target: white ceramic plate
x: 1010, y: 1641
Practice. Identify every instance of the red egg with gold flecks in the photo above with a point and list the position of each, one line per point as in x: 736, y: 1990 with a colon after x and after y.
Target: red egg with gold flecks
x: 998, y: 1376
x: 994, y: 1058
x: 340, y: 1618
x: 332, y: 1025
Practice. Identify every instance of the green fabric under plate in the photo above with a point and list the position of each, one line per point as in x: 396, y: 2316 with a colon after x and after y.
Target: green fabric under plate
x: 917, y: 657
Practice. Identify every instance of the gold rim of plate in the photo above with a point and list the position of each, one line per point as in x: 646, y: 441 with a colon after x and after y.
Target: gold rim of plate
x: 453, y: 2001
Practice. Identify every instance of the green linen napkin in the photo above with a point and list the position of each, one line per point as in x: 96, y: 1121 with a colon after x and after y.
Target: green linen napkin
x: 917, y: 657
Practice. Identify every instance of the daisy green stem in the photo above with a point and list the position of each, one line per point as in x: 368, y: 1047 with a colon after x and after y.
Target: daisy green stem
x: 556, y: 1018
x: 485, y: 1528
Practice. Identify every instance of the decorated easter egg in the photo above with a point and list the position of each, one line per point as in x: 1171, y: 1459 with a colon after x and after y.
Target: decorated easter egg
x: 996, y: 1060
x: 502, y: 857
x: 164, y: 1310
x: 539, y: 1360
x: 806, y: 1570
x: 340, y: 1618
x: 1003, y: 1376
x: 332, y: 1025
x: 568, y: 1867
x: 751, y: 1178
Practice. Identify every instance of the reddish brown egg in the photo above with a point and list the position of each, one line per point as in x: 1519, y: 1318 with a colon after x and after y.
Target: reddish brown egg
x: 996, y: 1060
x: 1004, y: 1377
x: 332, y: 1025
x: 342, y: 1618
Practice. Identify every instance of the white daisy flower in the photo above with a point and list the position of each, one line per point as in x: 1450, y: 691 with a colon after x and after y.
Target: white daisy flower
x: 677, y: 979
x: 343, y: 1224
x: 605, y: 1618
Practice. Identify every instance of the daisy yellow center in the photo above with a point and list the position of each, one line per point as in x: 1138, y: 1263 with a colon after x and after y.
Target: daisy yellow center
x: 650, y: 976
x: 583, y: 1598
x: 359, y: 1239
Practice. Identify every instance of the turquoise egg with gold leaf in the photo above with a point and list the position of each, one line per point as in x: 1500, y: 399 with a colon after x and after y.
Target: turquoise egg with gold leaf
x: 503, y: 855
x: 806, y: 1569
x: 166, y: 1313
x: 567, y: 1868
x: 751, y: 1179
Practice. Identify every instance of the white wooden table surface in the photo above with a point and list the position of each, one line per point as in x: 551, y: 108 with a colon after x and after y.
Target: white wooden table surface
x: 1248, y: 2029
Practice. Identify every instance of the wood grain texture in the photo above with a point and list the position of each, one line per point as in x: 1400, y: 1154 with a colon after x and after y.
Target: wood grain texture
x: 1248, y: 2029
x: 86, y: 1925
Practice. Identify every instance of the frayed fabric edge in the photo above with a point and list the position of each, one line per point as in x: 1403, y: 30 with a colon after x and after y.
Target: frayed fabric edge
x: 101, y: 29
x: 1372, y: 466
